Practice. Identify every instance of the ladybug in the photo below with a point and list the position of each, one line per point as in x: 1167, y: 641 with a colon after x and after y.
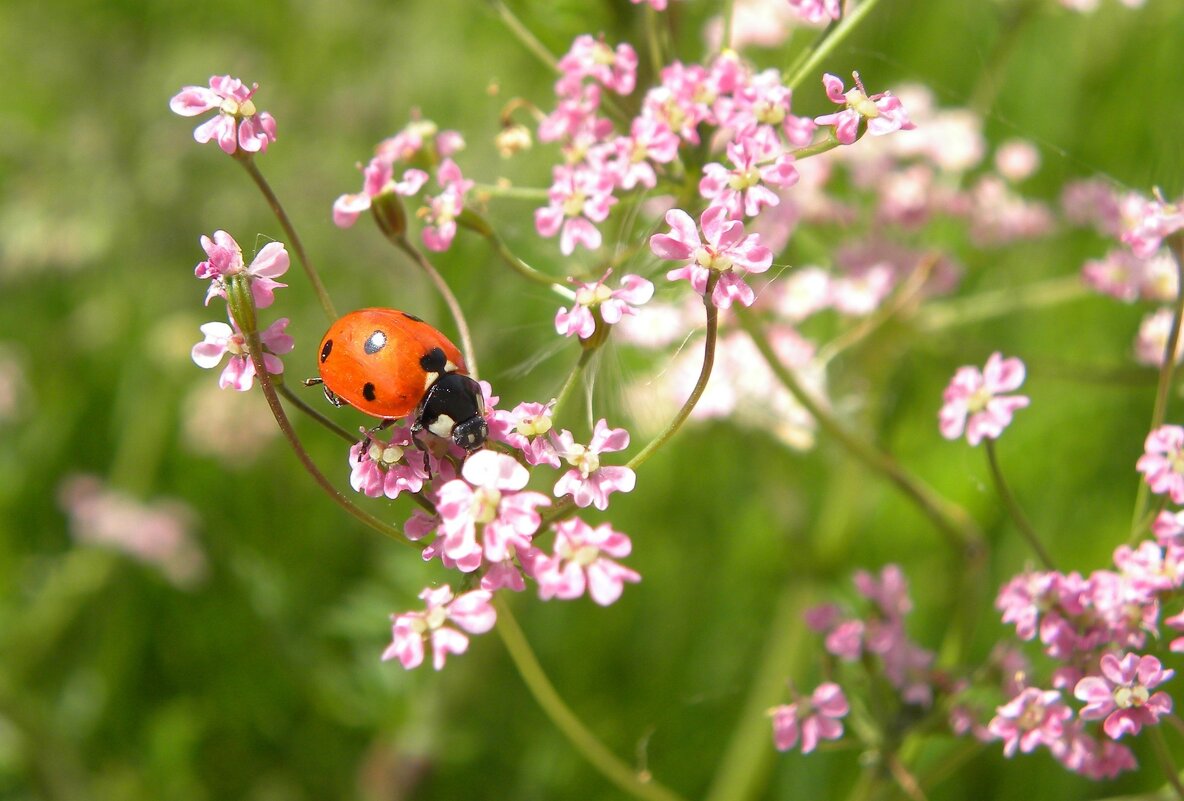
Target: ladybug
x: 390, y: 364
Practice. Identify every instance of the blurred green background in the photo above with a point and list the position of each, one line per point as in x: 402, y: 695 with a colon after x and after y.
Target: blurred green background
x: 259, y: 678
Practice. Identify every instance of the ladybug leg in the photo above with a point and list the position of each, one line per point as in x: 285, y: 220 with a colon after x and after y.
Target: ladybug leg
x: 386, y: 423
x: 330, y: 395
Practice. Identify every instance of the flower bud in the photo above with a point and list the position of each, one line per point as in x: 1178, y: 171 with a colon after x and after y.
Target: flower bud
x: 389, y: 214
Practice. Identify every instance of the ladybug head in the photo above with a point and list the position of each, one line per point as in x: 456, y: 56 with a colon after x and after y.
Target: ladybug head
x: 471, y: 434
x: 453, y: 408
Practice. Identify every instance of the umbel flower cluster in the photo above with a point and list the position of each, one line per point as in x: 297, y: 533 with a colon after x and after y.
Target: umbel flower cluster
x: 726, y: 167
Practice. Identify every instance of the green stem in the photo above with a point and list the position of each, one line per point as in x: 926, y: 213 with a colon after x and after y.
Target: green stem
x: 1164, y: 757
x: 1013, y: 507
x: 700, y: 385
x: 513, y: 192
x: 950, y: 519
x: 1163, y: 390
x: 824, y: 48
x: 569, y: 383
x: 1012, y: 23
x: 987, y: 305
x: 744, y: 766
x: 480, y: 225
x: 245, y: 159
x: 570, y: 726
x: 653, y: 41
x: 523, y: 34
x: 728, y: 12
x: 458, y: 315
x: 296, y: 401
x: 240, y: 294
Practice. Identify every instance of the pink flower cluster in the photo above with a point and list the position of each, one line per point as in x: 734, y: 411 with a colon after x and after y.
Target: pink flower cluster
x: 225, y: 262
x: 811, y: 719
x: 238, y: 125
x: 419, y: 143
x: 975, y: 404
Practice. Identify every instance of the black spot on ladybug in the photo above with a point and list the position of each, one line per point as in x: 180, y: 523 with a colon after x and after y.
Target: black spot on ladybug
x: 368, y: 391
x: 326, y: 349
x: 375, y: 343
x: 411, y: 317
x: 434, y: 361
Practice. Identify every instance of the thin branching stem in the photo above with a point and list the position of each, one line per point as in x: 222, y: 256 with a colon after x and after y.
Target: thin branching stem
x: 825, y: 47
x: 458, y: 315
x: 612, y: 767
x: 1164, y: 757
x: 245, y: 159
x: 1013, y: 507
x: 299, y: 403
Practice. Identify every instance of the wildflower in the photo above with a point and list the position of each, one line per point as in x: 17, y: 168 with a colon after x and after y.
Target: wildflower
x: 1122, y: 694
x: 581, y: 561
x: 239, y: 372
x: 238, y: 124
x: 1032, y: 718
x: 443, y: 209
x: 526, y: 427
x: 974, y: 403
x: 382, y: 468
x: 810, y: 719
x: 579, y: 197
x: 883, y: 112
x: 471, y: 612
x: 225, y: 258
x: 1151, y: 344
x: 592, y: 58
x: 1162, y: 463
x: 488, y: 500
x: 377, y: 180
x: 817, y: 12
x: 724, y: 249
x: 611, y: 305
x: 588, y: 482
x: 742, y: 190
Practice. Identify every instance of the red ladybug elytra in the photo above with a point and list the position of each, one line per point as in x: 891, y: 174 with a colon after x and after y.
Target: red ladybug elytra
x: 390, y: 364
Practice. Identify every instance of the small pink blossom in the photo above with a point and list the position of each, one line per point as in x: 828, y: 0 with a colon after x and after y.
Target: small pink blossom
x: 238, y: 123
x: 1122, y: 694
x: 1162, y: 462
x: 581, y: 562
x: 488, y: 501
x: 239, y: 373
x: 470, y: 612
x: 1123, y: 275
x: 596, y: 299
x: 579, y: 197
x: 384, y: 468
x: 377, y: 179
x: 883, y: 112
x: 817, y: 12
x: 810, y: 719
x: 630, y: 159
x: 225, y: 259
x: 744, y: 189
x: 724, y: 249
x: 590, y: 483
x: 656, y: 5
x: 1151, y: 343
x: 443, y: 209
x: 974, y: 403
x: 526, y: 427
x: 1148, y: 221
x: 1017, y: 159
x: 592, y: 58
x: 1034, y: 717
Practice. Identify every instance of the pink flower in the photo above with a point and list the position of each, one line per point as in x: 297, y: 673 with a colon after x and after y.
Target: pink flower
x: 444, y: 208
x: 488, y: 500
x: 238, y: 124
x: 526, y: 427
x: 592, y: 58
x: 1122, y: 694
x: 1162, y: 462
x: 817, y: 12
x: 628, y: 158
x: 973, y: 401
x: 471, y: 612
x: 588, y: 482
x: 883, y: 111
x: 724, y: 249
x: 384, y: 469
x: 579, y: 197
x: 377, y: 179
x: 1034, y: 717
x: 581, y: 562
x: 742, y: 190
x: 239, y: 372
x: 1123, y: 275
x: 611, y: 304
x: 225, y: 258
x: 657, y: 5
x: 1151, y: 344
x: 810, y: 719
x: 1147, y: 222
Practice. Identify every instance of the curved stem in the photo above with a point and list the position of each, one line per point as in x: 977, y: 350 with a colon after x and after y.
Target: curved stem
x: 523, y: 34
x: 1014, y: 20
x: 727, y: 12
x: 296, y: 401
x: 458, y: 315
x: 824, y: 48
x: 1166, y: 371
x: 950, y: 519
x: 480, y: 225
x: 986, y: 305
x: 570, y: 726
x: 1013, y: 507
x: 512, y: 192
x: 700, y: 385
x: 245, y: 159
x: 573, y: 377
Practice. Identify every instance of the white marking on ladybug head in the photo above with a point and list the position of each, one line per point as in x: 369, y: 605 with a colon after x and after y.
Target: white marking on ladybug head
x: 450, y: 366
x: 442, y: 427
x: 429, y: 379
